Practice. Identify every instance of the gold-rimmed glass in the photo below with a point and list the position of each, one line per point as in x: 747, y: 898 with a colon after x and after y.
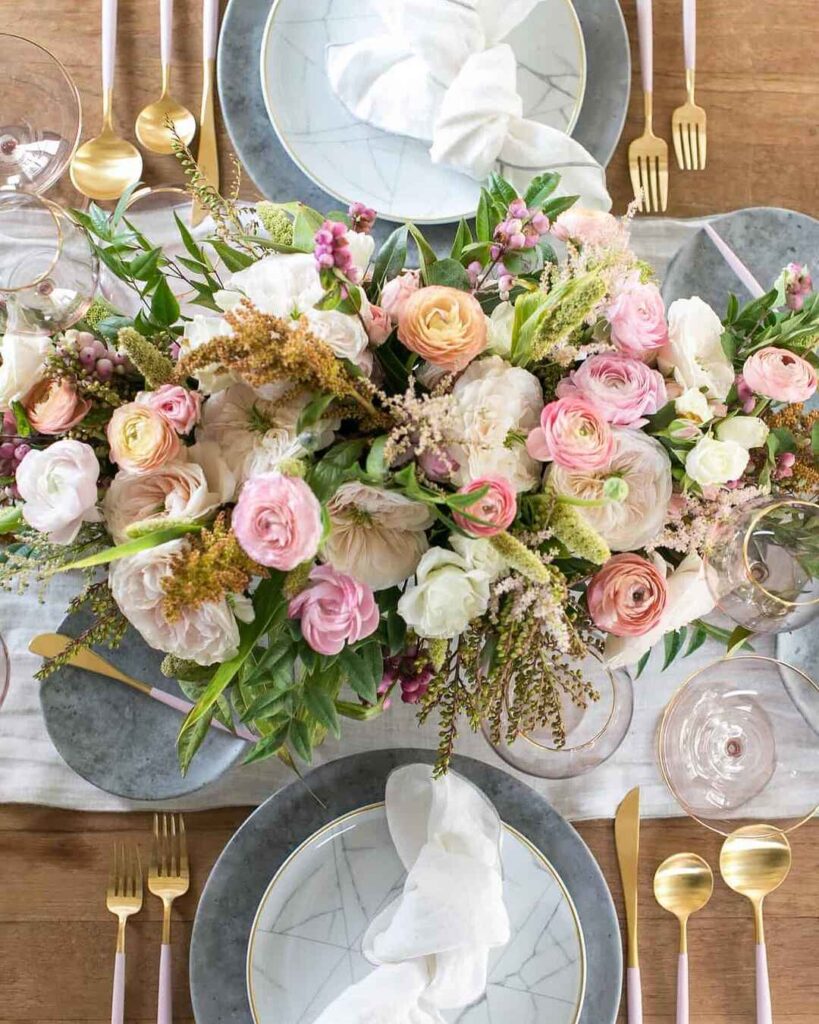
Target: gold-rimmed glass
x: 762, y: 565
x: 738, y: 744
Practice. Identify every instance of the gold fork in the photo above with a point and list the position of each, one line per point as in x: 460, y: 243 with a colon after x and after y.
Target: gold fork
x: 688, y: 121
x: 123, y: 898
x: 648, y: 155
x: 168, y: 878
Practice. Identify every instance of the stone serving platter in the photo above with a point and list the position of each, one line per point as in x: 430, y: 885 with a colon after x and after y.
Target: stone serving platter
x: 242, y: 875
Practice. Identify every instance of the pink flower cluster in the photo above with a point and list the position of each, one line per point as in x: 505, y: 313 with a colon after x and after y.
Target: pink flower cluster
x: 334, y: 610
x: 493, y: 512
x: 362, y: 217
x: 332, y: 250
x: 522, y: 229
x: 622, y: 389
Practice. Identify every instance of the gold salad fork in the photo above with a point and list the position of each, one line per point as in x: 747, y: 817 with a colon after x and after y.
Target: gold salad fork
x: 123, y: 898
x: 688, y: 121
x: 648, y: 155
x: 168, y: 878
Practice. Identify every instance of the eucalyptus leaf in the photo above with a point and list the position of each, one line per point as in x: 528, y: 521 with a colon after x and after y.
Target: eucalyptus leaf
x: 451, y: 273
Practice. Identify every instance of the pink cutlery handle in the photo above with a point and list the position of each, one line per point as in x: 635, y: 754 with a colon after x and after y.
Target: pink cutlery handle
x: 645, y: 34
x: 682, y: 989
x: 165, y: 30
x: 109, y: 43
x: 164, y: 1014
x: 118, y: 996
x: 690, y: 33
x: 210, y: 28
x: 184, y: 706
x: 763, y: 988
x: 735, y: 263
x: 634, y: 996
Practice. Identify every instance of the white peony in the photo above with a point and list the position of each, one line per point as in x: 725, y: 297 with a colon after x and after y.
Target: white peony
x: 693, y: 405
x: 445, y: 597
x: 641, y: 463
x: 59, y: 487
x: 344, y: 334
x: 281, y: 284
x: 362, y: 247
x: 711, y: 462
x: 198, y: 331
x: 23, y: 363
x: 694, y: 352
x: 479, y: 553
x: 499, y: 329
x: 490, y: 401
x: 749, y: 431
x: 206, y: 634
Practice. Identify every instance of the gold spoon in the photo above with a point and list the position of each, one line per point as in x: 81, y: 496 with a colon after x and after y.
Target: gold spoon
x: 683, y: 885
x: 152, y: 124
x: 105, y: 166
x: 754, y: 861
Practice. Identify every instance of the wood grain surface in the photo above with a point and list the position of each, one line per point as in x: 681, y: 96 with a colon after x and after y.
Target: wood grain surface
x: 757, y: 78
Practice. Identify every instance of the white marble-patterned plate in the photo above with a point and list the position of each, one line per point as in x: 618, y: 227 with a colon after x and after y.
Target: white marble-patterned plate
x: 305, y: 943
x: 393, y: 173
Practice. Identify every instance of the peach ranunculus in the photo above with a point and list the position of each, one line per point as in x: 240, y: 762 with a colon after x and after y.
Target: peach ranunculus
x: 141, y: 438
x: 445, y: 326
x: 53, y: 406
x: 627, y: 596
x: 572, y: 434
x: 779, y: 374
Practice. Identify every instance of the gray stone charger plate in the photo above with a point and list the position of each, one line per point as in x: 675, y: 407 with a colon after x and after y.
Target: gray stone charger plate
x: 766, y: 238
x: 241, y: 875
x: 257, y: 146
x: 120, y: 740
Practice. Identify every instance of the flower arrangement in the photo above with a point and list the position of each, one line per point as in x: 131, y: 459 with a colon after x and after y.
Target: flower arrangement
x: 351, y: 478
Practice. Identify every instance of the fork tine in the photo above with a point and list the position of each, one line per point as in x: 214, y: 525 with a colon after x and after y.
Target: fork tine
x: 663, y: 172
x: 654, y: 183
x: 183, y: 848
x: 164, y: 845
x: 701, y: 136
x: 154, y: 862
x: 645, y: 195
x: 634, y: 174
x: 686, y: 144
x: 173, y: 845
x: 676, y: 134
x: 695, y: 147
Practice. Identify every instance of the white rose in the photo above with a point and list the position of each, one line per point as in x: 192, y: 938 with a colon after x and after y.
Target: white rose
x: 281, y: 284
x: 344, y: 334
x: 499, y: 328
x: 693, y: 405
x: 198, y: 331
x: 478, y: 553
x: 749, y: 431
x: 445, y: 597
x: 713, y: 462
x: 23, y: 362
x: 59, y: 487
x: 694, y: 352
x: 362, y: 247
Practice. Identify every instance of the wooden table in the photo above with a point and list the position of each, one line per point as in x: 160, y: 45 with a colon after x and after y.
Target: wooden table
x: 758, y: 81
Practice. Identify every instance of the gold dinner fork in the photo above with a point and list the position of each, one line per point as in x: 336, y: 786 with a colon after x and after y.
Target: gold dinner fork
x: 123, y: 898
x: 688, y: 121
x: 648, y: 155
x: 168, y: 878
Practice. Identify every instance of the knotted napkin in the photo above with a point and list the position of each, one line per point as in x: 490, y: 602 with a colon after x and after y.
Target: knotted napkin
x: 431, y: 945
x: 442, y: 73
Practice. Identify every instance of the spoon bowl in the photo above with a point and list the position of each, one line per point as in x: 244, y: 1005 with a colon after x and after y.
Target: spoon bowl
x: 754, y: 861
x: 683, y: 884
x: 105, y: 166
x: 159, y: 121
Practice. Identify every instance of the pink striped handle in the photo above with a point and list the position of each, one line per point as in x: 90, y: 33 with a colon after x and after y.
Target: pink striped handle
x: 210, y: 28
x: 109, y: 43
x: 118, y: 996
x: 634, y: 994
x: 682, y: 989
x: 735, y: 263
x: 645, y: 34
x: 165, y: 30
x: 164, y: 1009
x: 184, y: 706
x: 690, y: 33
x: 763, y: 988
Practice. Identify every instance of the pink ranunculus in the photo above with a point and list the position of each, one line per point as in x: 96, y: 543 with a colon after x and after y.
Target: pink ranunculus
x: 335, y: 610
x: 779, y: 374
x: 179, y: 406
x: 53, y: 407
x: 496, y: 509
x: 627, y: 597
x: 637, y: 318
x: 277, y: 520
x: 395, y: 293
x: 377, y: 323
x: 573, y: 434
x: 623, y: 389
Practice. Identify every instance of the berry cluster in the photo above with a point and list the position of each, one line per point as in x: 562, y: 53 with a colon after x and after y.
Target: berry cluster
x: 361, y: 217
x: 333, y: 251
x: 87, y: 355
x: 404, y: 669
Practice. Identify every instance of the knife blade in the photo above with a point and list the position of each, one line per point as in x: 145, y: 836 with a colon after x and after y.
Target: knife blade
x: 207, y: 155
x: 627, y: 843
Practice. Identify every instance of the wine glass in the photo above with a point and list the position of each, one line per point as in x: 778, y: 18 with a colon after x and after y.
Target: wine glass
x: 48, y: 268
x: 40, y: 118
x: 593, y: 732
x: 762, y: 566
x: 5, y: 670
x: 738, y: 744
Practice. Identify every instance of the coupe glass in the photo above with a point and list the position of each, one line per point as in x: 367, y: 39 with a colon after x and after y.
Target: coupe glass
x: 48, y: 268
x: 40, y: 117
x: 5, y: 670
x: 763, y: 565
x: 593, y: 732
x: 738, y: 744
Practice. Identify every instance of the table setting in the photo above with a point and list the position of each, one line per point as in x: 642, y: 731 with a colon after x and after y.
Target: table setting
x: 423, y: 482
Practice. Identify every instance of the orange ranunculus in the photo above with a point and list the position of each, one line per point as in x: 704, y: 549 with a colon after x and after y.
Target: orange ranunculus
x: 54, y: 407
x: 445, y: 326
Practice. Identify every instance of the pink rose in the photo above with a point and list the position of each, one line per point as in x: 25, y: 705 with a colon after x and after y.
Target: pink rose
x: 573, y: 434
x: 53, y: 407
x: 496, y: 509
x: 622, y: 389
x: 334, y: 611
x: 377, y: 323
x: 395, y: 293
x: 637, y: 318
x: 627, y: 596
x: 179, y: 406
x: 779, y: 374
x: 277, y: 520
x: 590, y: 228
x: 141, y: 439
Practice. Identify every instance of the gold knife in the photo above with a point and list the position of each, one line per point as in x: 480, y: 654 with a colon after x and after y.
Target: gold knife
x: 627, y: 841
x: 207, y: 156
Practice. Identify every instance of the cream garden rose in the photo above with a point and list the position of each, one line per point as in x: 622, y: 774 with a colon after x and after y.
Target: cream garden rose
x: 748, y: 431
x: 445, y: 596
x: 712, y: 462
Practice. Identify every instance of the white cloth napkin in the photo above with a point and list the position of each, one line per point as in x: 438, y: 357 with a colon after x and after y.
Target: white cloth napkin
x: 431, y: 945
x: 442, y: 73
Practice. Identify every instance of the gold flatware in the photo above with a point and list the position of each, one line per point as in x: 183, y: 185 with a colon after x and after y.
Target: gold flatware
x: 207, y: 157
x: 754, y: 861
x: 106, y: 165
x: 648, y: 155
x: 683, y: 884
x: 688, y: 122
x: 627, y: 842
x: 152, y: 124
x: 168, y: 878
x: 123, y: 898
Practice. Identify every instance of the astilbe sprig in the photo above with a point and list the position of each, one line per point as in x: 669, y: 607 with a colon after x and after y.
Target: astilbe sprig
x: 106, y: 629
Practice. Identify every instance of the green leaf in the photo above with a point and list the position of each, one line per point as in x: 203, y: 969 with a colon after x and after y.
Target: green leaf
x: 500, y: 189
x: 133, y: 547
x: 525, y: 261
x: 641, y: 664
x: 426, y: 255
x: 729, y: 345
x: 540, y: 188
x: 391, y: 259
x: 270, y: 745
x: 307, y: 223
x: 733, y: 308
x: 188, y: 743
x: 325, y: 476
x: 11, y: 518
x: 21, y: 423
x: 352, y: 304
x: 110, y: 327
x: 554, y: 207
x: 190, y: 243
x: 673, y: 642
x: 814, y: 438
x: 313, y: 411
x: 164, y: 305
x: 122, y: 202
x: 299, y: 736
x: 331, y: 299
x: 463, y: 237
x: 698, y: 638
x: 144, y: 266
x: 233, y: 259
x: 375, y: 465
x: 451, y: 273
x: 484, y: 225
x: 737, y: 638
x: 364, y: 670
x: 321, y: 706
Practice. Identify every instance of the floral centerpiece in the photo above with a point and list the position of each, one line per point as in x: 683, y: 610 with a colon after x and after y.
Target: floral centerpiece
x: 361, y: 474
